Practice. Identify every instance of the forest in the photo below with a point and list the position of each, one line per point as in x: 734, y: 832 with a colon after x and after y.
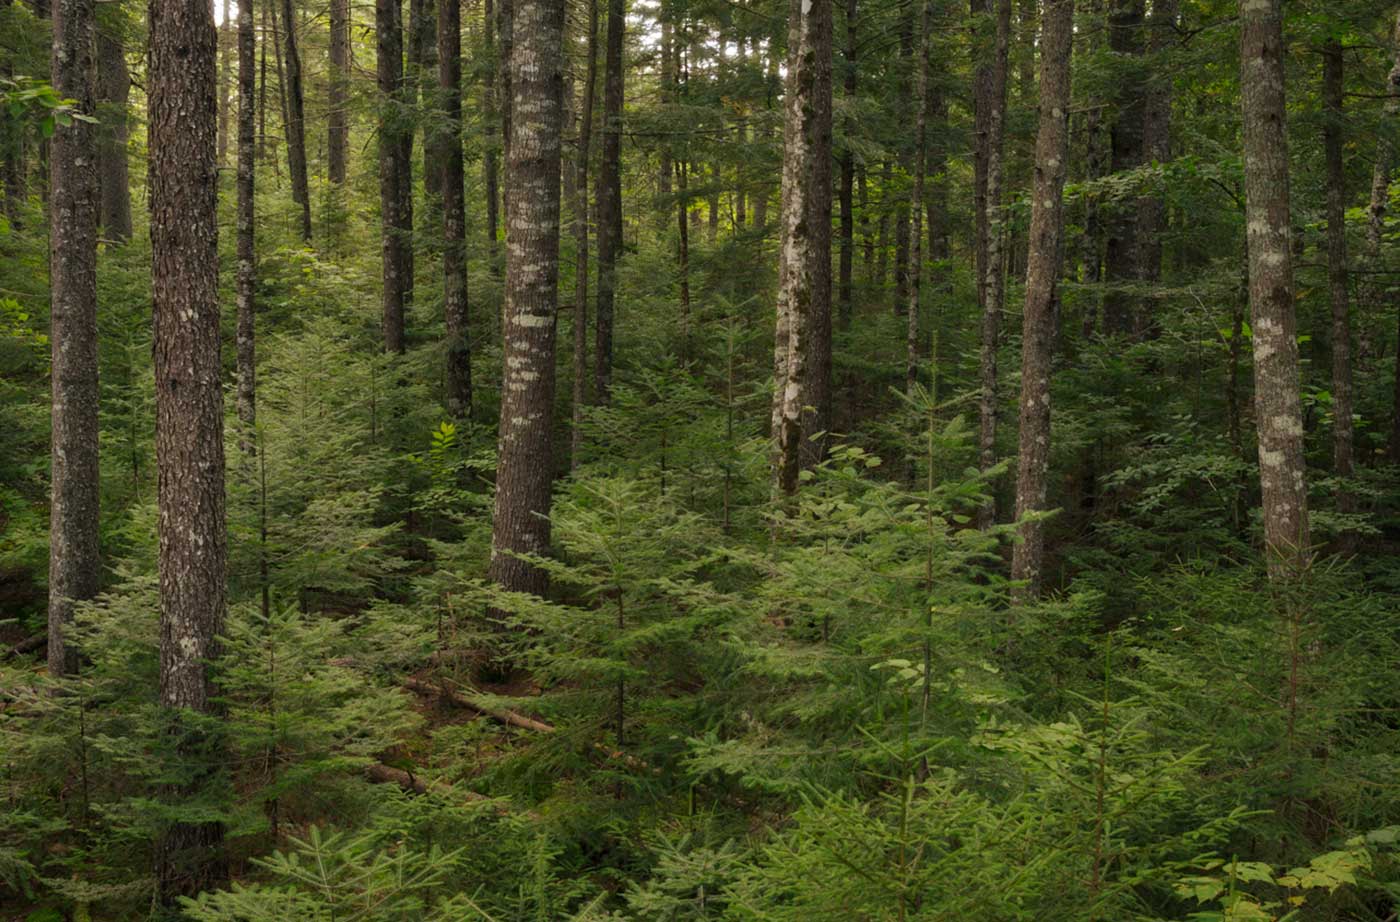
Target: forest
x: 666, y: 460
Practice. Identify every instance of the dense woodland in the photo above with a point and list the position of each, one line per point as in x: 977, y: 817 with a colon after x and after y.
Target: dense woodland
x: 700, y: 459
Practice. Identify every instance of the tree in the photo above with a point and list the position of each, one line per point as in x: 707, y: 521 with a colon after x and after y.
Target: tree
x: 296, y: 121
x: 182, y: 87
x: 490, y: 118
x: 454, y: 217
x: 113, y: 89
x: 609, y: 202
x: 849, y: 84
x: 1042, y: 274
x: 525, y: 469
x: 1380, y: 200
x: 394, y: 177
x: 1337, y: 275
x: 74, y: 564
x: 1277, y: 404
x: 1122, y: 265
x: 804, y: 260
x: 338, y: 97
x: 916, y: 204
x: 585, y: 137
x: 247, y: 278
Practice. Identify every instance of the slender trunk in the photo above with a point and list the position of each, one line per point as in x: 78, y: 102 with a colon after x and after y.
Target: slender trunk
x: 1121, y: 260
x: 11, y: 152
x: 74, y: 552
x: 281, y: 83
x: 505, y: 40
x: 393, y: 183
x: 1333, y: 141
x: 247, y: 222
x: 113, y: 89
x: 609, y: 202
x: 984, y: 56
x: 525, y: 469
x: 296, y: 121
x: 994, y: 285
x: 338, y: 98
x: 182, y: 93
x: 863, y: 210
x: 1095, y: 166
x: 848, y: 174
x: 916, y: 204
x: 491, y: 147
x: 666, y: 95
x: 1156, y: 144
x: 1380, y: 200
x: 882, y: 243
x: 262, y: 86
x: 423, y: 69
x: 804, y: 267
x: 1042, y: 276
x: 454, y: 215
x: 1278, y: 412
x: 226, y: 52
x: 585, y: 139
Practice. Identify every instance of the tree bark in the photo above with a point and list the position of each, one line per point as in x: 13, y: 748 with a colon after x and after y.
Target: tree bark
x: 1156, y: 143
x: 454, y: 216
x: 844, y: 295
x: 993, y: 286
x: 74, y: 552
x: 225, y: 68
x: 247, y: 278
x: 1277, y: 404
x: 505, y: 31
x: 1042, y: 276
x: 338, y: 96
x: 394, y: 183
x: 609, y: 203
x: 804, y: 264
x: 1337, y: 279
x: 1380, y: 200
x: 296, y: 121
x: 585, y: 140
x: 490, y: 157
x: 525, y: 469
x: 1121, y: 261
x: 916, y: 204
x: 113, y: 89
x: 423, y: 70
x: 182, y: 88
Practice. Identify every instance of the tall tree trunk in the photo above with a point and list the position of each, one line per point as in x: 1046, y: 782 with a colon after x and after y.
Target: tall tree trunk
x: 844, y: 295
x: 1277, y: 404
x: 585, y: 140
x: 296, y: 121
x: 247, y: 279
x: 505, y: 31
x: 984, y: 58
x: 393, y: 179
x: 525, y: 469
x: 454, y: 215
x: 1156, y: 144
x: 1042, y: 276
x: 262, y: 84
x: 1121, y: 261
x: 1095, y: 166
x: 182, y: 89
x: 113, y: 89
x: 1333, y: 141
x: 423, y: 68
x: 609, y: 202
x: 666, y: 96
x: 916, y: 203
x: 994, y: 286
x: 225, y: 67
x: 490, y: 157
x: 74, y: 564
x: 1380, y: 200
x: 12, y: 154
x: 281, y: 85
x: 804, y: 265
x: 338, y: 97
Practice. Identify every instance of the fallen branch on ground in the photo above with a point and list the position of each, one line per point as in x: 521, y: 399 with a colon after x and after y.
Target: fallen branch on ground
x: 463, y: 700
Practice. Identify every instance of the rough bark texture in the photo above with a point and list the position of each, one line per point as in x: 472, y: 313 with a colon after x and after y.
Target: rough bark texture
x: 74, y: 565
x: 1121, y: 259
x: 490, y: 156
x: 1278, y: 414
x: 525, y: 468
x: 1333, y: 141
x: 505, y: 31
x: 804, y: 263
x: 296, y: 121
x: 423, y: 69
x: 189, y: 426
x: 247, y: 257
x: 993, y: 283
x: 609, y: 203
x: 916, y: 205
x: 338, y: 98
x: 1156, y: 144
x: 585, y: 140
x: 844, y: 295
x: 225, y: 71
x: 113, y: 89
x: 1380, y: 199
x: 1042, y: 275
x: 454, y: 216
x: 394, y: 181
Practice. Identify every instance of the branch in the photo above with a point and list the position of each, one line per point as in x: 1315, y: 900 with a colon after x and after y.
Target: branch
x: 463, y: 700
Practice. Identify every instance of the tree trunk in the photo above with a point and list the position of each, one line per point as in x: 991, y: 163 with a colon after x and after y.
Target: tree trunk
x: 182, y: 88
x: 1156, y: 143
x: 844, y: 296
x: 506, y: 96
x: 1121, y: 260
x: 12, y: 154
x: 916, y: 204
x: 113, y: 89
x: 1042, y: 276
x: 1333, y: 141
x: 454, y: 215
x: 1277, y: 408
x: 1380, y: 200
x: 247, y: 278
x: 225, y: 67
x: 609, y: 202
x: 296, y: 121
x: 585, y: 140
x: 525, y: 467
x: 393, y: 181
x: 338, y: 97
x: 423, y: 71
x: 262, y: 86
x: 802, y: 347
x: 490, y: 157
x: 994, y: 285
x: 74, y: 564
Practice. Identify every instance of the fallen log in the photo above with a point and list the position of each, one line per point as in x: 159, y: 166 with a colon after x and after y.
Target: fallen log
x: 463, y: 700
x: 27, y: 645
x: 380, y: 773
